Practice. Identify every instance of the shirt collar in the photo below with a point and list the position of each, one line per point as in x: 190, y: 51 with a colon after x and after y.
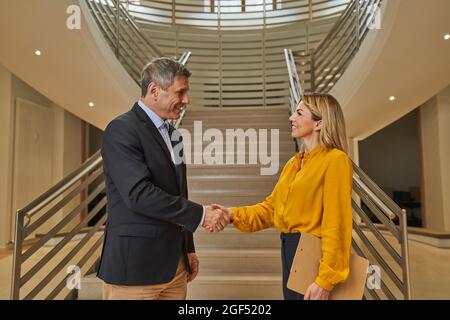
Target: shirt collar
x: 157, y: 121
x: 307, y: 155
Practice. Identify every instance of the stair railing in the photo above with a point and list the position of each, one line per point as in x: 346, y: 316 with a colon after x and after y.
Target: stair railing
x: 295, y: 89
x: 132, y: 48
x: 55, y: 212
x: 322, y: 67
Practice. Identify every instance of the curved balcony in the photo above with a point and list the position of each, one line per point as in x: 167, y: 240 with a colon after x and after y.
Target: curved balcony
x: 236, y: 15
x: 237, y: 50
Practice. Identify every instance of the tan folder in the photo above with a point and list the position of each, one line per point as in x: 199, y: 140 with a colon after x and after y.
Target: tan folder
x: 305, y: 269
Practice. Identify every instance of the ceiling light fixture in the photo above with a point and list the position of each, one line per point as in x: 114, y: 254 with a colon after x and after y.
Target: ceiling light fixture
x: 391, y: 98
x: 447, y: 36
x: 91, y: 104
x: 38, y: 52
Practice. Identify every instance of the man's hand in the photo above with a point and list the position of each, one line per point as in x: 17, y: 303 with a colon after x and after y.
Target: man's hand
x: 315, y: 292
x: 227, y: 211
x: 194, y: 265
x: 215, y: 219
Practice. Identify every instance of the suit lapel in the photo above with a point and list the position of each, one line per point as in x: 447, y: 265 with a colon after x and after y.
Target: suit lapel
x: 154, y: 131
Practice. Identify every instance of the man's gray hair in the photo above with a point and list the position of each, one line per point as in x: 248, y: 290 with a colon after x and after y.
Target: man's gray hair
x: 163, y: 72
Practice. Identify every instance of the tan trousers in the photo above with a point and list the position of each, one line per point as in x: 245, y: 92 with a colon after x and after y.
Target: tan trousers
x: 173, y: 290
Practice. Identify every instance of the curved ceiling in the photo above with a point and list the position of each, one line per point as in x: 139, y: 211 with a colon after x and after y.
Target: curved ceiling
x: 407, y: 58
x: 76, y: 66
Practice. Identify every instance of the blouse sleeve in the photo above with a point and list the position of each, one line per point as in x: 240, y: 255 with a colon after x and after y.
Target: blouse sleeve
x: 259, y: 216
x: 336, y: 228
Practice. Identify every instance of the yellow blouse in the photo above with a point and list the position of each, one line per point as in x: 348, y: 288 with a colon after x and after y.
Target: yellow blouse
x: 315, y: 199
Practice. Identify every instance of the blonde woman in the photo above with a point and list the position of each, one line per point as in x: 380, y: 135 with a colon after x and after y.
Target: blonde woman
x: 313, y: 195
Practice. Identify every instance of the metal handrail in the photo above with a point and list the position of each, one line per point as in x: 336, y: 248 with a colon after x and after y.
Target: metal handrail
x: 375, y: 210
x: 132, y: 48
x: 344, y: 16
x: 41, y: 210
x: 137, y: 31
x: 374, y: 197
x: 383, y: 207
x: 376, y: 232
x: 330, y: 58
x: 61, y: 186
x: 295, y: 89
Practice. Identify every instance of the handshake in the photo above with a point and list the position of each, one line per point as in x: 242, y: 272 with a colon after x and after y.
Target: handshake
x: 217, y: 217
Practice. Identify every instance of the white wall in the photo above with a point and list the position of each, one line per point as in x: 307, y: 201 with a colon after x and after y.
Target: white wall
x: 5, y: 152
x: 435, y: 134
x: 95, y: 139
x: 63, y: 138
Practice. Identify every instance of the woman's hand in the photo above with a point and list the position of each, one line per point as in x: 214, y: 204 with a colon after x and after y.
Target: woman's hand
x: 228, y: 212
x: 315, y: 292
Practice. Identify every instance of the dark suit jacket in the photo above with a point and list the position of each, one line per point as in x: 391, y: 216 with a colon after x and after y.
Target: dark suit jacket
x: 150, y: 221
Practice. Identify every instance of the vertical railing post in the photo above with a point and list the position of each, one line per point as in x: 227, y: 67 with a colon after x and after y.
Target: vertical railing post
x: 264, y: 55
x: 117, y: 27
x: 312, y: 72
x: 310, y: 10
x: 405, y: 255
x: 357, y: 22
x: 175, y: 27
x: 219, y: 28
x: 17, y: 259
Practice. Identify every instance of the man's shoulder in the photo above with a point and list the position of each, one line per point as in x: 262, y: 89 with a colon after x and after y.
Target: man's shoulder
x: 125, y: 120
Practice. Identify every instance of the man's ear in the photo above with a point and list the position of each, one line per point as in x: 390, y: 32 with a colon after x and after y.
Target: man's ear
x: 153, y: 90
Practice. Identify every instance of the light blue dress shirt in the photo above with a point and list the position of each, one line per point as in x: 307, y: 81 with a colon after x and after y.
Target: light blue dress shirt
x: 159, y: 124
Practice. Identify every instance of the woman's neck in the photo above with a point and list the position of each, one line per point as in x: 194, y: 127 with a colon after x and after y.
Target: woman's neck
x: 310, y: 142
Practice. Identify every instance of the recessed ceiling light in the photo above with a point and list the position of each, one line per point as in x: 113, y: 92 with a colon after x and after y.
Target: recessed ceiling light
x: 91, y: 104
x: 447, y: 36
x: 392, y: 98
x: 38, y: 52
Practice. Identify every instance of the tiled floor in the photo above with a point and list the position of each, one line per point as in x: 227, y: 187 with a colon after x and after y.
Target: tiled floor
x: 430, y: 272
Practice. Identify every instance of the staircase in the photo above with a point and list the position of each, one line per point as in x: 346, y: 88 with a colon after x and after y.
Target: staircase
x: 235, y: 265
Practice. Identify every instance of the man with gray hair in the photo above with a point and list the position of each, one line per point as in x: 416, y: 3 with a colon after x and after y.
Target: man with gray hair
x: 149, y: 250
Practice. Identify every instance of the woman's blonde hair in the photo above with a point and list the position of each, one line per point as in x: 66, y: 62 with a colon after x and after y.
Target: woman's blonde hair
x: 326, y: 108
